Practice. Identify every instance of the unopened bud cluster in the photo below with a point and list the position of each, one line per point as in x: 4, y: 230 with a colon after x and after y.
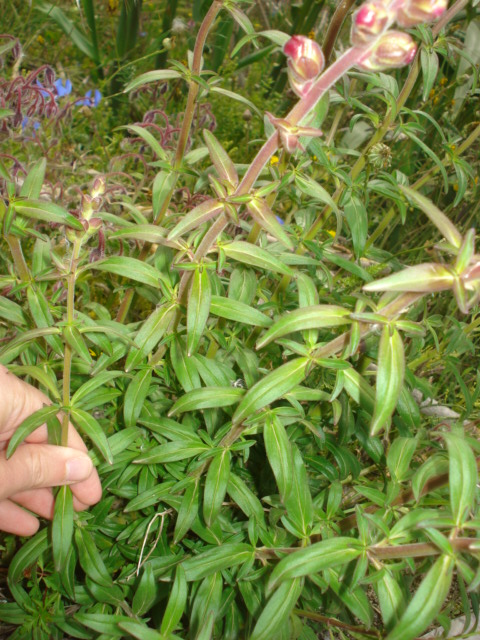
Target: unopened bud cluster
x: 391, y: 49
x: 305, y: 63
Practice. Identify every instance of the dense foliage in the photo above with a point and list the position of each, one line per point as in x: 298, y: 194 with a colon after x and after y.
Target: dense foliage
x: 268, y: 337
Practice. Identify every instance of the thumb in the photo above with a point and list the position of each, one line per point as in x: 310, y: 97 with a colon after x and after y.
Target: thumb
x: 33, y: 466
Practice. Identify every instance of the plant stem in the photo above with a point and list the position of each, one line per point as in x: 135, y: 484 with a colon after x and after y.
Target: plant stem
x: 333, y: 622
x: 335, y: 25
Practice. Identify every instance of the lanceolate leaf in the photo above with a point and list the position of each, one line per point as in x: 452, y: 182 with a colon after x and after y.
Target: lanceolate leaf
x: 135, y: 395
x: 150, y: 335
x: 176, y: 602
x: 279, y: 454
x: 62, y: 526
x: 277, y: 610
x: 427, y: 278
x: 221, y: 161
x: 90, y: 558
x: 207, y: 398
x: 88, y: 425
x: 152, y: 76
x: 273, y: 386
x: 317, y: 557
x: 130, y: 268
x: 198, y: 308
x: 29, y: 425
x: 390, y: 373
x: 316, y: 317
x: 197, y: 216
x: 264, y: 216
x: 48, y: 212
x: 462, y: 476
x: 439, y: 219
x: 427, y: 601
x: 255, y: 256
x: 216, y: 485
x: 391, y: 600
x: 217, y: 559
x: 238, y: 311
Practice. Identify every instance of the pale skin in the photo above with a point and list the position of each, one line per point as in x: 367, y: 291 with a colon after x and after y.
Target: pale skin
x: 28, y: 476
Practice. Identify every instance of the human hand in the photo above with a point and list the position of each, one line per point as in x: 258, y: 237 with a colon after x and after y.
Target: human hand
x: 27, y: 476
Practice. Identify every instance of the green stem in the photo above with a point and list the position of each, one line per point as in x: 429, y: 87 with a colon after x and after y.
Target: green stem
x: 334, y: 27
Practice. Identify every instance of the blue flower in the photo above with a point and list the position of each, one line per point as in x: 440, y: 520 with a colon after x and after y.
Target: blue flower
x: 89, y: 101
x: 26, y: 120
x: 280, y: 220
x: 44, y: 93
x: 63, y: 89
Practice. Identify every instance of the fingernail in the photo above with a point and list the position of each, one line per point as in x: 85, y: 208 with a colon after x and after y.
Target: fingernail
x: 78, y: 468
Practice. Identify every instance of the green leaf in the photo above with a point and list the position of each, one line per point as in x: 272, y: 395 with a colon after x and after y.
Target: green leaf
x: 90, y: 558
x: 104, y: 623
x: 141, y: 631
x: 312, y: 188
x: 399, y: 457
x: 390, y: 374
x: 429, y: 61
x: 184, y: 367
x: 46, y: 211
x: 62, y: 527
x: 317, y: 557
x: 238, y: 97
x: 188, y: 511
x: 150, y: 334
x: 74, y: 338
x: 152, y: 76
x: 202, y: 213
x: 439, y: 219
x: 307, y: 297
x: 277, y: 610
x: 264, y: 216
x: 217, y: 559
x: 357, y: 219
x: 462, y: 476
x: 129, y: 268
x: 238, y: 311
x: 95, y: 383
x: 146, y: 592
x: 391, y: 600
x: 69, y: 28
x: 255, y: 256
x: 38, y: 374
x: 162, y: 187
x: 24, y: 559
x: 207, y: 398
x: 427, y: 601
x: 147, y: 137
x: 422, y: 278
x: 273, y: 386
x: 216, y: 485
x: 33, y: 183
x: 12, y: 312
x: 316, y: 317
x: 299, y: 501
x: 89, y: 426
x: 176, y: 602
x: 145, y: 232
x: 198, y: 308
x: 150, y: 497
x: 135, y: 396
x: 29, y: 425
x: 244, y: 498
x: 431, y: 154
x: 171, y: 452
x: 355, y: 600
x: 220, y: 158
x: 279, y: 454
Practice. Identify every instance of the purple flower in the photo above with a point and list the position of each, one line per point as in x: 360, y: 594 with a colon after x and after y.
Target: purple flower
x: 279, y: 220
x: 63, y: 89
x: 26, y: 120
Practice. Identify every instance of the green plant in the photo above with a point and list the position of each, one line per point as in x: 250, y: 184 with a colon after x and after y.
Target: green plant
x: 267, y: 468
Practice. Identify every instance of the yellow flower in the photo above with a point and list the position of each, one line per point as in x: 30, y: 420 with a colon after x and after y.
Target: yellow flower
x: 453, y: 147
x: 40, y: 39
x: 455, y: 186
x: 274, y: 160
x: 311, y: 35
x: 331, y: 232
x: 443, y: 81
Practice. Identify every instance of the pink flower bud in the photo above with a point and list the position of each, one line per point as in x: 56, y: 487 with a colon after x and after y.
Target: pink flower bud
x: 368, y: 23
x: 393, y: 49
x: 305, y: 57
x: 305, y: 62
x: 417, y: 11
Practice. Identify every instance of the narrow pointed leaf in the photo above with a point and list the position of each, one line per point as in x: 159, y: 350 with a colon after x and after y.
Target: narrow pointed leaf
x: 150, y: 139
x: 427, y: 278
x: 198, y: 308
x: 130, y: 268
x: 279, y: 454
x: 317, y: 557
x: 188, y: 511
x: 391, y: 600
x: 29, y: 425
x: 273, y: 386
x: 90, y: 558
x: 176, y: 602
x: 316, y: 317
x: 238, y: 311
x: 171, y: 452
x: 196, y: 217
x: 390, y: 374
x: 74, y: 338
x: 89, y: 426
x: 311, y: 188
x: 256, y: 257
x: 48, y: 212
x: 62, y: 526
x: 277, y: 610
x: 33, y: 183
x: 462, y: 476
x: 222, y: 557
x: 135, y: 396
x: 207, y: 398
x: 439, y: 219
x: 221, y: 161
x: 264, y: 216
x: 427, y: 601
x: 216, y: 485
x: 152, y: 76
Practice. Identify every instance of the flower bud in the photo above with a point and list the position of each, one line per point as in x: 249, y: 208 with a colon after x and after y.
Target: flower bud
x: 417, y: 11
x: 305, y: 62
x: 393, y: 49
x: 369, y: 22
x: 98, y: 188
